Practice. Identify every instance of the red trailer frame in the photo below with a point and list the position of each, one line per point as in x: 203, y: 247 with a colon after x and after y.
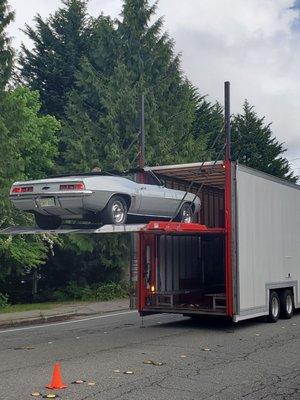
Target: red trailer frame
x: 148, y: 241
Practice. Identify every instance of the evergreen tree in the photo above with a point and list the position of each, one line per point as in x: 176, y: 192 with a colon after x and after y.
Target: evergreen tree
x: 138, y: 58
x: 6, y: 52
x: 209, y: 123
x: 58, y: 46
x: 254, y: 145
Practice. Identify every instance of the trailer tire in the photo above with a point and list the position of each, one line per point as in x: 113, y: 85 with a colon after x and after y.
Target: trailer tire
x: 286, y: 304
x: 274, y: 307
x: 47, y: 221
x: 115, y: 212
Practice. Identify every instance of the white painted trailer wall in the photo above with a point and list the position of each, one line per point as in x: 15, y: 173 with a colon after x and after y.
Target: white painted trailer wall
x: 268, y: 240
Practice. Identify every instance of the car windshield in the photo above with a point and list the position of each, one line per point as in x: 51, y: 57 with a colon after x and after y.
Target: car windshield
x: 151, y: 179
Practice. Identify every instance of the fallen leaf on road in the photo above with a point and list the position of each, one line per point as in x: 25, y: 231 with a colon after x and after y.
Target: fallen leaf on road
x: 24, y: 348
x: 155, y: 363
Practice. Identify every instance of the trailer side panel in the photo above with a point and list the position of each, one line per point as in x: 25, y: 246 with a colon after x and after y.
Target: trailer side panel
x: 268, y: 240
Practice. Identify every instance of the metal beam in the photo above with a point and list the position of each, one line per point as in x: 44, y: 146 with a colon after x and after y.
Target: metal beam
x: 106, y: 229
x: 227, y: 121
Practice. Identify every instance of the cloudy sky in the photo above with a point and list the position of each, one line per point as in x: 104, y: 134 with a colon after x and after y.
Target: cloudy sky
x: 253, y: 43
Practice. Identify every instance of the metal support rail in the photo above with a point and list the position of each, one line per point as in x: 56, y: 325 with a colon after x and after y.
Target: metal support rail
x: 15, y: 230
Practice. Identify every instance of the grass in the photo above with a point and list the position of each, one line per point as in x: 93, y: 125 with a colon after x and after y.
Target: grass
x: 35, y: 306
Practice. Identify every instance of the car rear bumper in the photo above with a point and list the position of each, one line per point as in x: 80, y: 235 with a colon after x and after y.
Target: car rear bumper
x: 64, y: 203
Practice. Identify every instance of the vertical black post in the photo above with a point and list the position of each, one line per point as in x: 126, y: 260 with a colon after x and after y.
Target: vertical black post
x: 142, y: 133
x: 227, y: 122
x: 135, y: 236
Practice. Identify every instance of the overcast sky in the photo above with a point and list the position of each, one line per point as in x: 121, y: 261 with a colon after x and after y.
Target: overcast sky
x: 253, y: 43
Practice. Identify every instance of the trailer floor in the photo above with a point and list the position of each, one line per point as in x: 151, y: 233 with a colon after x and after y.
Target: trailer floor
x: 210, y: 360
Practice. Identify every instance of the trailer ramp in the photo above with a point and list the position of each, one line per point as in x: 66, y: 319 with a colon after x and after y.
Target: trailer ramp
x: 19, y: 230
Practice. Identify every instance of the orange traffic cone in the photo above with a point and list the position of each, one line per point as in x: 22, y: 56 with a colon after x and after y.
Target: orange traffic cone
x: 56, y: 382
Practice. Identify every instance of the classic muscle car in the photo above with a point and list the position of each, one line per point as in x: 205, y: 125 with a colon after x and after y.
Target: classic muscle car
x: 100, y: 197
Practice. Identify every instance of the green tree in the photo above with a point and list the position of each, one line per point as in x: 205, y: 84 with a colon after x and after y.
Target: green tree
x: 28, y: 147
x: 254, y: 145
x: 209, y: 123
x: 6, y: 52
x: 58, y: 45
x: 102, y: 113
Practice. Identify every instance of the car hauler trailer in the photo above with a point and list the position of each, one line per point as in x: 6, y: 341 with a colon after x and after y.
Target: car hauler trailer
x: 241, y: 256
x: 241, y: 259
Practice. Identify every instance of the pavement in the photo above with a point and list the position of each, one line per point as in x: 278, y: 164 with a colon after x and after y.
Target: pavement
x: 62, y: 312
x: 208, y: 360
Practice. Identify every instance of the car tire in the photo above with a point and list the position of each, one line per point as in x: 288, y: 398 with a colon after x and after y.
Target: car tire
x: 115, y: 212
x: 274, y: 307
x: 185, y: 214
x: 47, y: 222
x: 286, y: 304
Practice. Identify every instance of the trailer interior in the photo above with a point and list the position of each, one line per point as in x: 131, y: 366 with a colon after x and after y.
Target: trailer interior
x: 183, y: 267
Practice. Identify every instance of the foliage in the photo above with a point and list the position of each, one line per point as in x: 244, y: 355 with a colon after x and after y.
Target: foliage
x: 254, y: 145
x: 28, y: 146
x: 209, y: 123
x: 6, y: 52
x: 94, y: 292
x: 128, y: 58
x: 3, y: 301
x: 58, y: 45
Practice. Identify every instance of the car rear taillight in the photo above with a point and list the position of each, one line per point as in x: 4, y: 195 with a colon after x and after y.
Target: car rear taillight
x: 73, y: 186
x: 22, y: 189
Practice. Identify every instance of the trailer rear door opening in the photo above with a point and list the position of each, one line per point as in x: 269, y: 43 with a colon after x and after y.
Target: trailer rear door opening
x: 183, y: 272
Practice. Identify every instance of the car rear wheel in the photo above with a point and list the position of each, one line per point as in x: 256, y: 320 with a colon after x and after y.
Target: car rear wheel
x: 287, y: 304
x: 115, y: 211
x: 274, y: 307
x: 185, y: 214
x: 47, y: 222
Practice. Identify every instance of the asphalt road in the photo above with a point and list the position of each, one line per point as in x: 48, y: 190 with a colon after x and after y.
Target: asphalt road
x: 254, y: 360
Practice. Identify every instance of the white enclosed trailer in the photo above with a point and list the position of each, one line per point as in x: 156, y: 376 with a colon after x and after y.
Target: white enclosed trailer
x: 267, y: 221
x: 243, y: 265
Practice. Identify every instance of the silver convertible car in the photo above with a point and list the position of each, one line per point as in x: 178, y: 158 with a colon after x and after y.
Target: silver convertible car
x: 101, y: 197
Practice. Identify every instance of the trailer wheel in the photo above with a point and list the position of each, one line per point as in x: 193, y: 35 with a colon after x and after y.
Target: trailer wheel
x: 47, y: 222
x: 115, y: 211
x: 274, y: 307
x: 286, y: 304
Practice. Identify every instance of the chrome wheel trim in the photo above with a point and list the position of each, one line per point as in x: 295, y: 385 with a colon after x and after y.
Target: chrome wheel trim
x: 118, y: 211
x: 289, y: 304
x: 275, y: 307
x: 187, y: 215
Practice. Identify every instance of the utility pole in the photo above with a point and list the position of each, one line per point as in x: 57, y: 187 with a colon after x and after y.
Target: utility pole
x: 135, y: 236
